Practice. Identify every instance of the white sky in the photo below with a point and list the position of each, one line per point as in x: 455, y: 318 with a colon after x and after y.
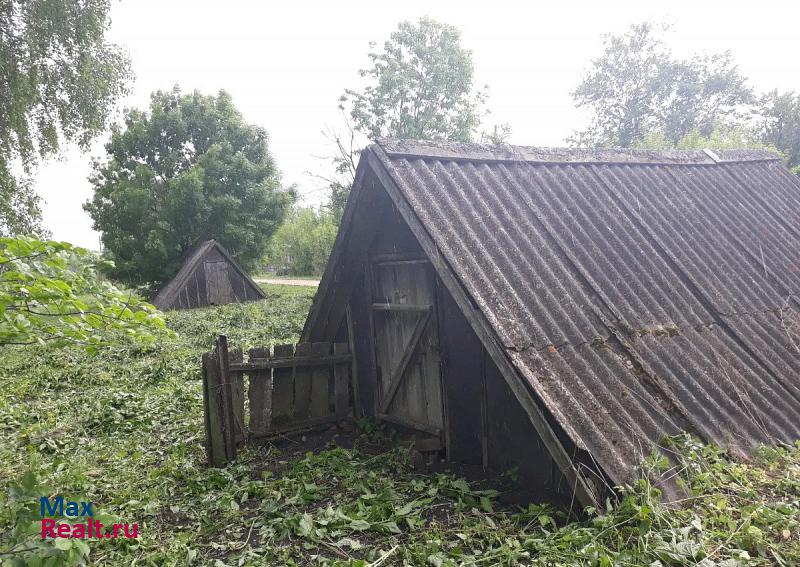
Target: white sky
x: 286, y: 63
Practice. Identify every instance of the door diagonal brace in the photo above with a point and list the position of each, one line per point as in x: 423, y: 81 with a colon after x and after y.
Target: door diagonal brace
x: 408, y: 355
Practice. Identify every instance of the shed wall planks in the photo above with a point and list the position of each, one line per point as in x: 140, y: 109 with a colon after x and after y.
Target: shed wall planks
x: 209, y: 276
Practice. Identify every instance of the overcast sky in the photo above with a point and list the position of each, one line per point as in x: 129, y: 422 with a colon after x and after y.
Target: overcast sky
x: 286, y: 63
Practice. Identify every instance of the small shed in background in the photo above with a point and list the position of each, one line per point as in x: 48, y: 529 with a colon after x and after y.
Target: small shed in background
x: 209, y: 276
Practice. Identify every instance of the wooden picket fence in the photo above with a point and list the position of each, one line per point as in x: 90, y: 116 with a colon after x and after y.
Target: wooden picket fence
x: 287, y: 389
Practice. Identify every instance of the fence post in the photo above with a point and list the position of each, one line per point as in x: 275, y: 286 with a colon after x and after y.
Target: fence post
x: 212, y: 404
x: 237, y: 398
x: 226, y: 398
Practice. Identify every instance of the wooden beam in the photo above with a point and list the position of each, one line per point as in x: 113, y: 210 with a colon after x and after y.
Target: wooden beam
x: 390, y: 259
x: 399, y: 307
x: 354, y: 361
x: 441, y: 338
x: 341, y: 382
x: 484, y: 414
x: 487, y: 335
x: 213, y: 413
x: 237, y: 388
x: 408, y: 355
x: 411, y: 424
x: 369, y: 287
x: 226, y: 389
x: 298, y: 426
x: 291, y: 362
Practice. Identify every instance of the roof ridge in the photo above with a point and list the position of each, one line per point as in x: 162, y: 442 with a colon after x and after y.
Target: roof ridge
x: 462, y: 151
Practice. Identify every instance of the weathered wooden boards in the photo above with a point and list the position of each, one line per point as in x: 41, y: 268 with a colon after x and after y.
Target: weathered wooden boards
x: 292, y: 388
x: 282, y: 389
x: 406, y: 343
x: 260, y: 392
x: 223, y: 401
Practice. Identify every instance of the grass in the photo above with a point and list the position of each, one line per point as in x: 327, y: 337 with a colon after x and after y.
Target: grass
x: 124, y: 430
x: 285, y: 290
x: 268, y: 276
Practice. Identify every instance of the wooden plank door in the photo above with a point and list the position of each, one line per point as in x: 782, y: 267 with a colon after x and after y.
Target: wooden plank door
x: 218, y: 285
x: 409, y: 389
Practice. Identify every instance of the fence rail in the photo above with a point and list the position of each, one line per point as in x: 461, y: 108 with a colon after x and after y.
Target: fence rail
x: 288, y: 388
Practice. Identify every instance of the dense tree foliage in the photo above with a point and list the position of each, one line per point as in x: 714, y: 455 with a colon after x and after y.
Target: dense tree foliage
x: 19, y: 205
x: 421, y: 86
x: 59, y: 80
x: 186, y: 170
x: 302, y: 245
x: 50, y: 291
x: 780, y: 124
x: 637, y: 87
x: 721, y: 138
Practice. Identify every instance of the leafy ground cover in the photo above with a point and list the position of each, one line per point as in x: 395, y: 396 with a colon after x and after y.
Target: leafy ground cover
x: 123, y: 429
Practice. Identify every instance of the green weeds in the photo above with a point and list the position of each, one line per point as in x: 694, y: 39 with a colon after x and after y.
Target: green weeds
x: 124, y: 430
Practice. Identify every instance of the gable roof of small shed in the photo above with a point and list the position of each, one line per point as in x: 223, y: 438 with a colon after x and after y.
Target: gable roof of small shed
x: 637, y: 293
x: 167, y: 295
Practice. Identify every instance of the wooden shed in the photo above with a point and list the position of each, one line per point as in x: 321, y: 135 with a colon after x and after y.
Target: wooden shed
x: 560, y: 311
x: 209, y: 276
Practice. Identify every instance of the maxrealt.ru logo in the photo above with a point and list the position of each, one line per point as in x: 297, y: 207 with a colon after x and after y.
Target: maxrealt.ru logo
x: 88, y: 529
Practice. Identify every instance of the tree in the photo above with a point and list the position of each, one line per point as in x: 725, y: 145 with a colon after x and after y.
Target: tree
x: 780, y: 124
x: 19, y: 206
x: 302, y: 245
x: 419, y: 86
x: 59, y: 80
x: 51, y: 291
x: 637, y: 87
x: 721, y: 138
x: 345, y: 161
x: 499, y: 134
x: 186, y: 170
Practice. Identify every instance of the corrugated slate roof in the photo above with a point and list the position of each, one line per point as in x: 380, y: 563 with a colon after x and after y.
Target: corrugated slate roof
x: 661, y: 279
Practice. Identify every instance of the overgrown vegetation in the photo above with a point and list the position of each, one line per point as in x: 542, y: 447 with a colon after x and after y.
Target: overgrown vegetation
x: 187, y: 169
x: 60, y: 80
x: 640, y: 94
x: 51, y: 291
x: 124, y: 430
x: 301, y: 246
x: 419, y: 84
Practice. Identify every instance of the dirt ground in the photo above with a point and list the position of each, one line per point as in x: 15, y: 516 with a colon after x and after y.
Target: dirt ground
x: 296, y: 445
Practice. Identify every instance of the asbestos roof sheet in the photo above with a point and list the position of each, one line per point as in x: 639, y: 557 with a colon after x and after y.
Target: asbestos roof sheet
x: 664, y: 281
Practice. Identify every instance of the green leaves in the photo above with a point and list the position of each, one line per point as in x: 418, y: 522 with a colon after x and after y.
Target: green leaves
x: 638, y: 88
x: 136, y: 450
x: 781, y: 124
x: 50, y: 291
x: 60, y: 80
x: 186, y: 170
x: 420, y: 86
x: 301, y: 245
